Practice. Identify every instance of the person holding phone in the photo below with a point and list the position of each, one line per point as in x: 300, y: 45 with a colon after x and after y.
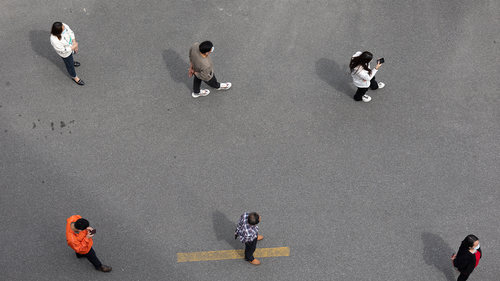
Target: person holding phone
x: 363, y: 76
x: 468, y: 256
x: 63, y: 40
x: 79, y: 237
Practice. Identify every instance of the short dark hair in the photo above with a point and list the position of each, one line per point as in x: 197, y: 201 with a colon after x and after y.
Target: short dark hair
x: 253, y: 218
x: 57, y: 29
x: 205, y: 47
x: 469, y: 241
x: 81, y: 224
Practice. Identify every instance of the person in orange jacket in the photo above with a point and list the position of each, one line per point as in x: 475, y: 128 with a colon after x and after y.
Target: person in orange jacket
x: 79, y: 238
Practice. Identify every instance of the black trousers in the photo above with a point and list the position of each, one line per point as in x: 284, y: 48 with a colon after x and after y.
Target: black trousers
x: 197, y: 83
x: 250, y: 249
x: 92, y: 258
x: 362, y: 91
x: 463, y: 277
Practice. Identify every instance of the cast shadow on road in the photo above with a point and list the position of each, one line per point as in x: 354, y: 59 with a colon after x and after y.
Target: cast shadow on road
x: 40, y: 43
x: 224, y: 229
x: 177, y: 67
x: 336, y: 76
x: 437, y: 253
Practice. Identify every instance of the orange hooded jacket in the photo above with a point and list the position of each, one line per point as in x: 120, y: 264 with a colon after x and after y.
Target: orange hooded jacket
x: 77, y: 241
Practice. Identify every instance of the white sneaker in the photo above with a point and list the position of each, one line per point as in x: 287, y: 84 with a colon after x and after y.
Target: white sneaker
x: 366, y: 98
x: 381, y: 85
x: 202, y: 93
x: 224, y: 86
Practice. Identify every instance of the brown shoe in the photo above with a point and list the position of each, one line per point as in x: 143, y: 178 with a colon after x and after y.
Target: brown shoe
x: 260, y: 237
x: 255, y: 262
x: 105, y: 268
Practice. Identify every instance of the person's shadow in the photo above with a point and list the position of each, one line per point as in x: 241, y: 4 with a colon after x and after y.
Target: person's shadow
x: 438, y: 254
x: 337, y: 77
x: 224, y: 229
x: 177, y: 67
x: 40, y: 43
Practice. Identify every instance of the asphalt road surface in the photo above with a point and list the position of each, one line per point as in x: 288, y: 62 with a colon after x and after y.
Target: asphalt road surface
x: 384, y: 190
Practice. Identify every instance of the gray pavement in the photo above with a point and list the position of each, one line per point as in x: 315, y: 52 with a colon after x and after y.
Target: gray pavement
x: 384, y: 190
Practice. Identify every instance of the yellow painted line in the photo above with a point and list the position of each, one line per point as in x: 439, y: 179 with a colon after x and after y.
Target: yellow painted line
x: 232, y: 254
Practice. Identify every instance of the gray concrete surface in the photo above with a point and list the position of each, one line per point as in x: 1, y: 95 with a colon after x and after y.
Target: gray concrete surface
x: 384, y: 190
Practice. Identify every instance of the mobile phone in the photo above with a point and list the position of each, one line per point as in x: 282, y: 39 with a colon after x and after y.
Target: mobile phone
x: 381, y: 60
x: 93, y: 231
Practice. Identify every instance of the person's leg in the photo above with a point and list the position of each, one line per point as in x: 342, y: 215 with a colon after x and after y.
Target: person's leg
x: 213, y: 83
x: 462, y: 277
x: 93, y: 259
x: 196, y: 85
x: 360, y: 93
x: 373, y: 84
x: 79, y: 256
x: 70, y: 66
x: 250, y: 249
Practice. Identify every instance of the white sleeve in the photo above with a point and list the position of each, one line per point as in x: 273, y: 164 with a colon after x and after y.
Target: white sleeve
x: 363, y: 74
x: 70, y: 32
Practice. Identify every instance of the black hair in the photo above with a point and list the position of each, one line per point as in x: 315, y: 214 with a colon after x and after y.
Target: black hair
x: 81, y: 224
x: 364, y: 59
x: 205, y: 47
x: 57, y: 29
x: 469, y: 241
x: 253, y: 218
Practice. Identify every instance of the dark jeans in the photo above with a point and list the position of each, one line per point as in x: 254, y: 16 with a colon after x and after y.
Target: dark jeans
x: 197, y: 83
x: 463, y: 277
x: 362, y: 91
x: 70, y: 65
x: 92, y: 258
x: 250, y: 249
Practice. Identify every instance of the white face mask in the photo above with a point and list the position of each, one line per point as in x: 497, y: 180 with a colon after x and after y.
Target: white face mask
x: 212, y: 50
x: 477, y: 248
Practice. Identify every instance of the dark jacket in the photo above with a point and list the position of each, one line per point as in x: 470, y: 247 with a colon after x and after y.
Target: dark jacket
x: 465, y: 260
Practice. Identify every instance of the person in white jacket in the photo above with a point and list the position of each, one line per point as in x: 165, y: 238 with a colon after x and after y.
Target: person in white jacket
x: 63, y: 40
x: 363, y: 76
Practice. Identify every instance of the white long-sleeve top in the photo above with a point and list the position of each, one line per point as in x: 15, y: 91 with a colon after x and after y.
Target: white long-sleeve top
x: 360, y: 76
x: 63, y: 46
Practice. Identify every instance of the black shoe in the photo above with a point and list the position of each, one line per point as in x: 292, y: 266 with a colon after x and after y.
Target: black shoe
x: 77, y: 64
x: 105, y: 268
x: 79, y: 82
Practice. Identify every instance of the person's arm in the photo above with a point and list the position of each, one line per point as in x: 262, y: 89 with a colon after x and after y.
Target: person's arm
x: 70, y: 32
x: 82, y: 242
x: 460, y: 261
x: 363, y: 74
x: 74, y: 45
x: 191, y: 70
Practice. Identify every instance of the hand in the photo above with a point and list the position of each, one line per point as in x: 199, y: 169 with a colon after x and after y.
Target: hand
x: 378, y: 65
x: 88, y: 232
x: 191, y: 72
x: 453, y: 256
x: 74, y: 47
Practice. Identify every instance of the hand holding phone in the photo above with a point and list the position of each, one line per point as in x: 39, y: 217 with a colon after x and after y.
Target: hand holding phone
x: 381, y: 60
x: 93, y: 231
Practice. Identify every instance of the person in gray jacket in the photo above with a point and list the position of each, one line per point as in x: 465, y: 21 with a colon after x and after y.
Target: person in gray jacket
x: 202, y: 68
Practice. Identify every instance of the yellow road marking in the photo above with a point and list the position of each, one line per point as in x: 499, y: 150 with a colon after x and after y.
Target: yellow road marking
x: 232, y: 254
